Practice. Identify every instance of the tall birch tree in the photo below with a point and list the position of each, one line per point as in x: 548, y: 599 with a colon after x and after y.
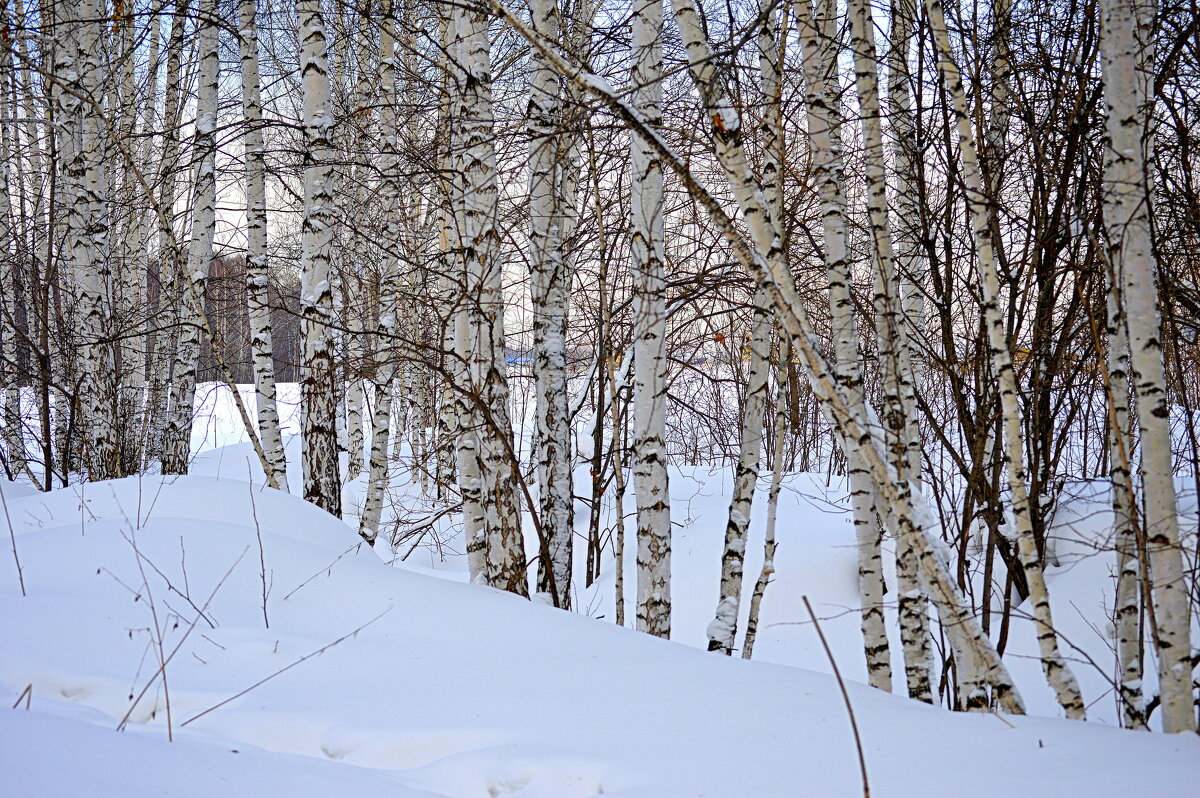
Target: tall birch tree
x: 257, y: 267
x: 1127, y: 208
x: 319, y: 405
x: 650, y: 480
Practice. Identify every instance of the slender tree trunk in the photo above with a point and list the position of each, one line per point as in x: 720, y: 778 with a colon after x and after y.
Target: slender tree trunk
x: 387, y: 323
x: 257, y: 269
x: 650, y: 478
x: 913, y: 604
x: 769, y: 543
x: 1058, y: 673
x: 165, y: 343
x: 1126, y: 525
x: 722, y: 630
x: 550, y: 282
x: 506, y: 548
x: 1127, y: 217
x: 322, y: 485
x: 178, y: 432
x: 817, y: 34
x: 89, y: 250
x: 10, y: 279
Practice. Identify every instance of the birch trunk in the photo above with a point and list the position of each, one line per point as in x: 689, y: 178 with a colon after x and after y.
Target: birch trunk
x: 165, y: 343
x: 1127, y: 217
x: 14, y: 432
x: 257, y: 270
x: 177, y: 436
x: 550, y: 281
x: 131, y: 349
x: 1058, y: 673
x: 1127, y: 604
x: 650, y: 478
x: 722, y: 630
x: 912, y: 603
x: 384, y: 372
x: 769, y: 543
x: 319, y: 405
x: 506, y: 548
x: 817, y: 34
x: 93, y: 268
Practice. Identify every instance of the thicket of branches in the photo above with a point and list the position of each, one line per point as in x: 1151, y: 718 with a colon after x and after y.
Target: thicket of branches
x: 946, y: 250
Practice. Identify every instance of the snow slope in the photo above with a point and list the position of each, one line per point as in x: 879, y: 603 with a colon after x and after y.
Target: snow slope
x: 446, y: 689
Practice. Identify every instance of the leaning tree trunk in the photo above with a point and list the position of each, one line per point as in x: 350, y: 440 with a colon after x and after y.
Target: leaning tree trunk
x: 318, y: 396
x: 1058, y: 673
x: 550, y: 281
x: 914, y: 520
x: 650, y: 333
x: 1127, y: 218
x: 257, y: 272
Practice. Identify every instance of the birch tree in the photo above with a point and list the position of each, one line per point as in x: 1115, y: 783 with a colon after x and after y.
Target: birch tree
x: 650, y: 480
x: 390, y: 190
x: 1057, y: 672
x: 550, y: 281
x: 89, y: 249
x: 722, y: 631
x: 913, y: 605
x: 257, y: 268
x: 824, y: 122
x: 1127, y: 219
x: 322, y: 485
x: 484, y: 281
x: 177, y: 436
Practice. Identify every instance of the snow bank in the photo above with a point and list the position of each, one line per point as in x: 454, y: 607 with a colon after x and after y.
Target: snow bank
x: 445, y: 689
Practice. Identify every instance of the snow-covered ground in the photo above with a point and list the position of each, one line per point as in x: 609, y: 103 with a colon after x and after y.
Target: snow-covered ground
x: 425, y: 685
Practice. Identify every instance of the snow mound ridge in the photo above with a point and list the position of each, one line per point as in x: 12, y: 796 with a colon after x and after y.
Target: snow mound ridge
x: 283, y: 636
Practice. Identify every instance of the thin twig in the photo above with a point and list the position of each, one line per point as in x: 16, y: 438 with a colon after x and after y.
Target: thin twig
x: 262, y: 561
x: 324, y: 570
x: 13, y: 537
x: 862, y: 760
x: 182, y: 640
x: 27, y: 694
x: 308, y: 656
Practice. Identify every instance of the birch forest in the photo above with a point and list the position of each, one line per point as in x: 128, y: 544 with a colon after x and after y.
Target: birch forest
x: 494, y: 279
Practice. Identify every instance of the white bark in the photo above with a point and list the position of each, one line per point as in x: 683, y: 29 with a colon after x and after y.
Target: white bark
x: 769, y: 543
x: 165, y: 343
x: 722, y: 630
x: 1057, y: 672
x: 506, y: 548
x: 89, y: 250
x: 650, y: 333
x: 1127, y: 218
x: 911, y: 267
x: 550, y: 281
x: 817, y: 34
x: 1127, y: 601
x: 319, y: 405
x: 257, y: 270
x: 14, y: 433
